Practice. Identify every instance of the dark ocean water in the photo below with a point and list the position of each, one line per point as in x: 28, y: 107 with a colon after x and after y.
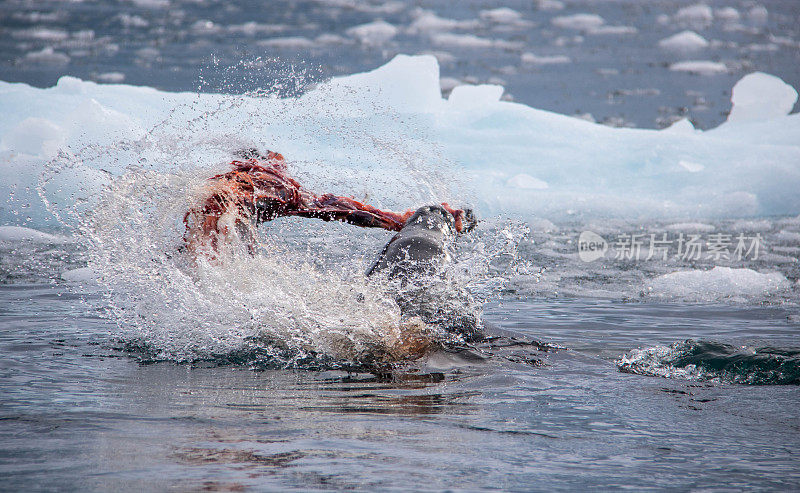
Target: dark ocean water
x: 80, y: 411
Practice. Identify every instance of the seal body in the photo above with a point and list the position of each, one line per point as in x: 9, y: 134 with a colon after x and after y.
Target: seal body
x: 413, y: 261
x: 421, y: 246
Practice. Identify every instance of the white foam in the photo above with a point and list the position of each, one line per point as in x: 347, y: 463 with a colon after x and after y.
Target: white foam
x: 716, y: 284
x: 684, y: 41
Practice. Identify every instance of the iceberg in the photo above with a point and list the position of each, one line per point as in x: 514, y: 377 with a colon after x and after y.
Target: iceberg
x: 390, y: 135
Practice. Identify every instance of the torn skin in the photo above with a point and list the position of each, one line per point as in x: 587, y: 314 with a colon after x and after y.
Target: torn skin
x: 260, y: 190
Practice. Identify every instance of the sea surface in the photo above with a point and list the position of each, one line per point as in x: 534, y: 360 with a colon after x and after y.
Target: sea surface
x: 603, y: 379
x: 81, y: 411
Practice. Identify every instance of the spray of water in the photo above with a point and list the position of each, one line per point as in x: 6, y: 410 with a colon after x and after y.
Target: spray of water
x: 303, y: 295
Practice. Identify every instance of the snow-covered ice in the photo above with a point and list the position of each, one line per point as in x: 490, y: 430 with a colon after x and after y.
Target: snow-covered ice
x: 578, y: 21
x: 700, y: 67
x: 534, y: 59
x: 684, y: 41
x: 748, y: 166
x: 374, y: 33
x: 749, y: 103
x: 717, y: 283
x: 698, y: 16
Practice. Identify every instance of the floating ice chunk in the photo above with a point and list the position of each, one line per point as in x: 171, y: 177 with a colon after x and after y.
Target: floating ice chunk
x: 253, y: 28
x: 583, y: 22
x: 527, y: 182
x: 501, y: 15
x: 47, y: 56
x: 329, y: 39
x: 590, y: 169
x: 205, y: 26
x: 613, y: 30
x: 132, y: 21
x: 699, y: 15
x: 360, y: 6
x: 760, y: 96
x: 20, y: 233
x: 466, y: 97
x: 758, y: 15
x: 443, y: 57
x: 151, y: 4
x: 148, y: 53
x: 684, y: 41
x: 34, y: 136
x: 533, y: 59
x: 42, y: 34
x: 549, y: 5
x: 427, y: 21
x: 700, y: 67
x: 387, y: 88
x: 682, y: 126
x: 373, y: 33
x: 111, y: 77
x: 447, y: 84
x: 81, y: 275
x: 93, y: 123
x: 717, y: 283
x: 293, y: 42
x: 727, y: 14
x: 472, y: 41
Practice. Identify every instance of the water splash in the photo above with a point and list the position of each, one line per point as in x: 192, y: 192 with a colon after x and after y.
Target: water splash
x: 717, y: 362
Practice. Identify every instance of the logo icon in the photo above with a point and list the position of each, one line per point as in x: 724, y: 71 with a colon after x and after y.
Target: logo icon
x: 591, y: 246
